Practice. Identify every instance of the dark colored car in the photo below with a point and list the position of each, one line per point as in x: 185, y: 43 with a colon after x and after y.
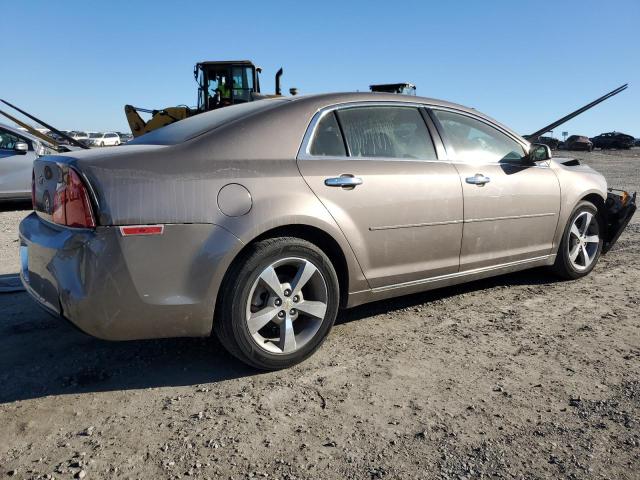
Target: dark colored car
x: 579, y: 142
x: 124, y: 137
x: 553, y: 143
x: 613, y: 140
x: 58, y: 138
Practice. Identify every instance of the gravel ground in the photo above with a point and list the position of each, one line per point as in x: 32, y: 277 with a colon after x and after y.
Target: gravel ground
x: 10, y: 216
x: 520, y: 376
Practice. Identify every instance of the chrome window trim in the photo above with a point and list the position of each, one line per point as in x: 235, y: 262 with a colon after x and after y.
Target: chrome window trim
x: 525, y: 145
x: 303, y: 150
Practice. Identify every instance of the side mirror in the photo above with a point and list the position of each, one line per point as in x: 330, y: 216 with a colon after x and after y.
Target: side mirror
x: 538, y: 152
x: 21, y: 148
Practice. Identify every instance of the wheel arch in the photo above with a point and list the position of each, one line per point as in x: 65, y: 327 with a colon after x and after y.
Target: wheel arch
x: 597, y: 200
x: 315, y: 235
x: 574, y: 191
x: 325, y: 242
x: 592, y: 196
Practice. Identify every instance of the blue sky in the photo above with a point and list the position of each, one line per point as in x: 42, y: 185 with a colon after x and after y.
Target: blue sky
x: 76, y: 64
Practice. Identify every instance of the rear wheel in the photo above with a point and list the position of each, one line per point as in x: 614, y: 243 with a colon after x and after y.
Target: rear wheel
x: 581, y: 243
x: 279, y: 302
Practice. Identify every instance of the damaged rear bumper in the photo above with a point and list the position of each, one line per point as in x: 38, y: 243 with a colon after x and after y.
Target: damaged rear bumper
x: 119, y: 287
x: 620, y: 207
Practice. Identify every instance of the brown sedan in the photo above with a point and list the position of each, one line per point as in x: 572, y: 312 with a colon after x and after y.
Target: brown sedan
x: 260, y: 221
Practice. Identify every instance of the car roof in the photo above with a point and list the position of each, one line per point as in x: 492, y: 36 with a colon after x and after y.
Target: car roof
x: 292, y: 110
x: 329, y: 99
x: 325, y: 100
x: 22, y: 133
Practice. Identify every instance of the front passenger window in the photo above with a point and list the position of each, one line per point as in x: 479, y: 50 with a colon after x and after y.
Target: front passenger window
x: 477, y: 142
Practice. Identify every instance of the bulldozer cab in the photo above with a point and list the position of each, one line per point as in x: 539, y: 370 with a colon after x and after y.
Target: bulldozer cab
x: 221, y: 84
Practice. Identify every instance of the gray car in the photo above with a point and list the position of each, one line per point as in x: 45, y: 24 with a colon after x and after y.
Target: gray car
x: 18, y: 150
x: 260, y: 221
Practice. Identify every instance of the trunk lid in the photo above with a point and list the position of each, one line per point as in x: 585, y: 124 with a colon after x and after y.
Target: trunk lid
x: 94, y: 167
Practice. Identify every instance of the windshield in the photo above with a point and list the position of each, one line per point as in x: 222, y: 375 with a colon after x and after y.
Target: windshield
x: 219, y: 82
x: 95, y: 135
x: 192, y: 127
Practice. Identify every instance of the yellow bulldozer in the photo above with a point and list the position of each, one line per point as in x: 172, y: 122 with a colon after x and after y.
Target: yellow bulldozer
x: 220, y: 84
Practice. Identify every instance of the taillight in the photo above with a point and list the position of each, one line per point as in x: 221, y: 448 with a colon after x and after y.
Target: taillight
x: 71, y: 204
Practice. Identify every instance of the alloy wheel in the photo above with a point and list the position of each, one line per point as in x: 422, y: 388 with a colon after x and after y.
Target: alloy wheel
x: 287, y: 305
x: 584, y: 239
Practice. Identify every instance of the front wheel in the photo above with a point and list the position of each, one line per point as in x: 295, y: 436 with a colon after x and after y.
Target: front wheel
x: 581, y: 243
x: 278, y: 303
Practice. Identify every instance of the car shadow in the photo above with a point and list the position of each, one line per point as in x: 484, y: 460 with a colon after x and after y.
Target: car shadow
x: 10, y: 283
x: 41, y: 355
x: 536, y: 276
x: 14, y: 205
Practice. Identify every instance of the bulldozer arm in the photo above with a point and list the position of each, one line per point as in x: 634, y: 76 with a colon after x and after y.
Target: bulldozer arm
x: 159, y: 118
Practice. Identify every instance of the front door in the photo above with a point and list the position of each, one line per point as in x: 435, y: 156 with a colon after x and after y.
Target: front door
x: 398, y: 206
x: 15, y: 167
x: 511, y: 207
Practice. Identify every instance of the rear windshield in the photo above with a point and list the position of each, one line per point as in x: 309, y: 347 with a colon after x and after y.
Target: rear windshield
x: 197, y: 125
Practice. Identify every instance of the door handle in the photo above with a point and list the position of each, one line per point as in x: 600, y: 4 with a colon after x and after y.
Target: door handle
x: 345, y: 181
x: 478, y: 179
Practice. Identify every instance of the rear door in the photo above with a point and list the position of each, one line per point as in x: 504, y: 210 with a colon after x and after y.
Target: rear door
x: 375, y: 168
x: 511, y: 207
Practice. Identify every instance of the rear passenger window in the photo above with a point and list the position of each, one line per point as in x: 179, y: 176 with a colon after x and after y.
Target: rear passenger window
x: 388, y: 132
x: 327, y: 139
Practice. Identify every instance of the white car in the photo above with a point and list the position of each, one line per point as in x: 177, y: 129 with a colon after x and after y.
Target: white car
x: 108, y: 139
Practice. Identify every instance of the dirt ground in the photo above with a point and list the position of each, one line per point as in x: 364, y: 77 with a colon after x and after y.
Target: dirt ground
x: 521, y: 376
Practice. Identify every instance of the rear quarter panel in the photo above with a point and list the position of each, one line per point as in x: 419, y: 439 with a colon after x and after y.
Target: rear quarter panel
x: 180, y: 184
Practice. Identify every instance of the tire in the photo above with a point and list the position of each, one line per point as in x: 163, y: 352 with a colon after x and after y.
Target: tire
x: 573, y: 268
x: 245, y: 294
